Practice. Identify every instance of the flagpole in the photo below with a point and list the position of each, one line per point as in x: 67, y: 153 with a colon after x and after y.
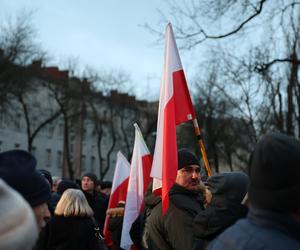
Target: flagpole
x: 202, y: 148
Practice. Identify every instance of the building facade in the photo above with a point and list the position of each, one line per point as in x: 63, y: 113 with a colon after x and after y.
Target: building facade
x: 69, y: 127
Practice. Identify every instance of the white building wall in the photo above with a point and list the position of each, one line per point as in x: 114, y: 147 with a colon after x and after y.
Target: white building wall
x: 48, y: 144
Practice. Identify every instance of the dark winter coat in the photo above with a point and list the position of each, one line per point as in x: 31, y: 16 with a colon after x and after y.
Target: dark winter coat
x: 98, y: 203
x: 228, y: 190
x: 174, y: 230
x: 262, y: 229
x: 53, y: 202
x: 66, y: 233
x: 115, y: 227
x: 214, y: 220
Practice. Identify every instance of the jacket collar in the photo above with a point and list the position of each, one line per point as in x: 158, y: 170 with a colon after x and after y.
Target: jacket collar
x: 177, y: 189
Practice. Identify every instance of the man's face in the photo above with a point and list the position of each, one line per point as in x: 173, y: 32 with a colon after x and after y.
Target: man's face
x: 42, y: 215
x: 87, y: 184
x: 189, y: 177
x: 55, y: 185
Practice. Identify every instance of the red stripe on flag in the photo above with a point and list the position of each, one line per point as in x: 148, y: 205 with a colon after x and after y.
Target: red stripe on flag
x: 169, y: 159
x: 179, y: 109
x: 118, y: 195
x: 184, y: 110
x: 147, y: 163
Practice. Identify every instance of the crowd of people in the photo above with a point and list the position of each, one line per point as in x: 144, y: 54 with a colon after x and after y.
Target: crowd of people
x: 259, y: 209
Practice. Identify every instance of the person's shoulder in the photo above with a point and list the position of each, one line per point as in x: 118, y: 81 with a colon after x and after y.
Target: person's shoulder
x: 156, y: 216
x: 244, y: 235
x: 238, y: 237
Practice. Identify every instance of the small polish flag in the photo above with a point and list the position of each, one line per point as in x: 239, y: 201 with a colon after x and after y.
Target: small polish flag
x: 119, y: 190
x: 138, y: 181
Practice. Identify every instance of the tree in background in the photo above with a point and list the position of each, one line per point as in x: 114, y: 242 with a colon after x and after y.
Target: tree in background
x: 247, y: 73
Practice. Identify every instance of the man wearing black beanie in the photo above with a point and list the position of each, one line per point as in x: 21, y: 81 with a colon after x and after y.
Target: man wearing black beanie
x: 97, y: 201
x: 273, y: 220
x: 174, y: 229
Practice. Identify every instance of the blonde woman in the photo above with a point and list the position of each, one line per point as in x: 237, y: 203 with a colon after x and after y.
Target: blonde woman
x: 72, y: 226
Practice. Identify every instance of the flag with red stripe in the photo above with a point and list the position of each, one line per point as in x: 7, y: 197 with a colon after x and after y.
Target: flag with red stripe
x: 175, y: 107
x: 139, y: 179
x: 118, y: 191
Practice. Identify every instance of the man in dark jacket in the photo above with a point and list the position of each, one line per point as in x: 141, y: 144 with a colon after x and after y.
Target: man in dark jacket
x: 273, y: 220
x: 174, y: 229
x: 223, y: 209
x: 98, y: 202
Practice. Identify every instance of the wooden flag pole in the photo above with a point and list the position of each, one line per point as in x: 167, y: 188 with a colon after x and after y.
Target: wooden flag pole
x: 202, y: 148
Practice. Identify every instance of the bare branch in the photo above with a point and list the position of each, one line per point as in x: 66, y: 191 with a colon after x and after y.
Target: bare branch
x: 265, y: 66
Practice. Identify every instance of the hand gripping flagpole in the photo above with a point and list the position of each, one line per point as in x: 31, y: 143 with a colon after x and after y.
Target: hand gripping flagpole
x: 202, y: 148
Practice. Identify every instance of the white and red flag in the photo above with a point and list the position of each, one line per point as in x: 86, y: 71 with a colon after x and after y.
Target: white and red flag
x: 175, y: 107
x: 118, y: 191
x: 139, y: 179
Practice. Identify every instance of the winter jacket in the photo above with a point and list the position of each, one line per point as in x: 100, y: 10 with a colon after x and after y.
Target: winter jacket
x: 65, y: 233
x: 214, y: 220
x: 98, y: 203
x: 225, y: 208
x: 262, y: 229
x: 174, y: 230
x: 115, y: 226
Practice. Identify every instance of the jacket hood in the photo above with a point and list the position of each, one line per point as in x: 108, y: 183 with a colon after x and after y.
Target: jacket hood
x: 214, y: 220
x: 228, y: 186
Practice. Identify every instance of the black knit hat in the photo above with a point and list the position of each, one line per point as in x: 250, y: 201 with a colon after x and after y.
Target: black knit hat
x: 66, y: 184
x: 18, y: 170
x: 274, y: 173
x: 47, y: 175
x: 185, y: 158
x: 91, y: 176
x: 105, y: 184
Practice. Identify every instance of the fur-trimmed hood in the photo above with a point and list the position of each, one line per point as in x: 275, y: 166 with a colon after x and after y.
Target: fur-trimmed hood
x: 114, y: 212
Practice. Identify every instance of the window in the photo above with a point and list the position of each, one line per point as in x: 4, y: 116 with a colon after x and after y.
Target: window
x: 59, y: 159
x: 48, y: 157
x: 18, y: 121
x: 34, y: 122
x: 93, y: 149
x: 50, y: 130
x: 2, y: 120
x: 61, y: 129
x: 72, y: 148
x: 33, y: 150
x: 93, y: 164
x: 84, y: 134
x: 83, y: 162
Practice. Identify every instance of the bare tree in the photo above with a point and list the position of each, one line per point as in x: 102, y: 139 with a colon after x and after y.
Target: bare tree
x: 18, y: 48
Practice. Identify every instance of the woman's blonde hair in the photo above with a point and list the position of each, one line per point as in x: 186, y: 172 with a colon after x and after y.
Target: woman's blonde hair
x: 73, y: 203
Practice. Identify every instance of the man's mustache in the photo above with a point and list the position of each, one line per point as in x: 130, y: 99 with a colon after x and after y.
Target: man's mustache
x: 194, y: 182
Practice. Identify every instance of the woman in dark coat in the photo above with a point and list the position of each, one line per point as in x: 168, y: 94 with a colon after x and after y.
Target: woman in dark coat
x: 225, y: 194
x: 72, y: 226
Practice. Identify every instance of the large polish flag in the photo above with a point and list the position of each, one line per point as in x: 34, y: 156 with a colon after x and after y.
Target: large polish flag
x: 175, y: 107
x: 118, y: 191
x: 138, y: 181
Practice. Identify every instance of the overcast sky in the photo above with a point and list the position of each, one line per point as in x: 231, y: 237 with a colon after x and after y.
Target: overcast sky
x: 101, y: 34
